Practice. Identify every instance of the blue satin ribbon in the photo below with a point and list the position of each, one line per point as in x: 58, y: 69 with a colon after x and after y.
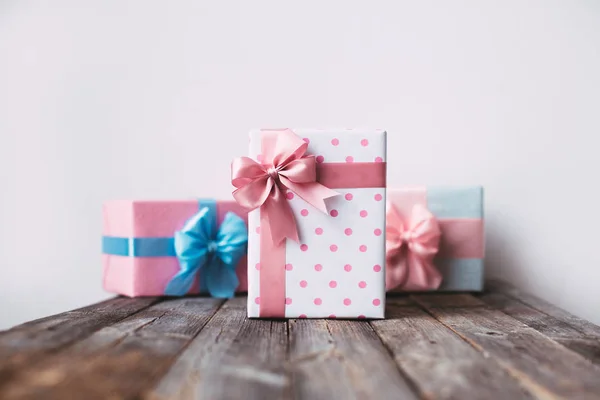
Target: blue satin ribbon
x: 203, y: 250
x: 138, y: 247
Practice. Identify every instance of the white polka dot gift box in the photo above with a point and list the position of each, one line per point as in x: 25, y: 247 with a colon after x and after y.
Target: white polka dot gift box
x: 316, y: 245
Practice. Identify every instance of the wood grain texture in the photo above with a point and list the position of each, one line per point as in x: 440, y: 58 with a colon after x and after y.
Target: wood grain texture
x: 439, y: 362
x: 118, y: 361
x: 587, y: 328
x: 51, y: 333
x: 27, y: 343
x: 554, y: 328
x: 449, y: 300
x: 232, y: 358
x: 547, y: 369
x: 332, y: 359
x: 502, y: 344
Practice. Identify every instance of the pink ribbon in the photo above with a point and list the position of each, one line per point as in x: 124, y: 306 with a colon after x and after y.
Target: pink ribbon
x: 410, y: 248
x: 264, y: 185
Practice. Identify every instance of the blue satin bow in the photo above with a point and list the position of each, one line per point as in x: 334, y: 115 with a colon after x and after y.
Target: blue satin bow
x: 200, y: 246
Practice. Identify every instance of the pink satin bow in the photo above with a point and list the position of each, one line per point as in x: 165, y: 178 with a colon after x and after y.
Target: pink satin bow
x: 410, y: 249
x: 264, y: 185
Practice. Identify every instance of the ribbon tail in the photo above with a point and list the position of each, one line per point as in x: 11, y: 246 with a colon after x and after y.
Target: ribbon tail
x: 422, y: 274
x: 276, y: 212
x: 182, y: 282
x: 221, y: 279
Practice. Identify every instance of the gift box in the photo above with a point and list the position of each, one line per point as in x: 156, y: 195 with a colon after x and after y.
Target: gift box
x: 323, y: 192
x: 435, y: 239
x: 174, y: 247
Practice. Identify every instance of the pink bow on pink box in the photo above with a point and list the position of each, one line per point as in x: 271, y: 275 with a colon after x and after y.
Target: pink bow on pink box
x: 265, y: 185
x: 411, y: 246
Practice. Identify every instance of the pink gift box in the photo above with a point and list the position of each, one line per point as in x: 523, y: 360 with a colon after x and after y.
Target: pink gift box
x: 152, y: 223
x: 456, y: 214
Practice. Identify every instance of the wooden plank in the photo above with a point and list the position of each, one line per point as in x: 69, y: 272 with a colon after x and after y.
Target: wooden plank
x: 57, y: 330
x: 25, y: 344
x: 400, y: 298
x: 332, y: 359
x: 439, y: 362
x: 587, y: 328
x: 233, y: 357
x: 554, y: 328
x: 461, y: 300
x: 545, y: 368
x: 541, y: 322
x: 118, y: 361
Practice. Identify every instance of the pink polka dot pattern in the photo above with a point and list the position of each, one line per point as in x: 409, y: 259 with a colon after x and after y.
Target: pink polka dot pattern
x: 334, y: 213
x: 320, y: 159
x: 377, y: 232
x: 349, y: 196
x: 362, y: 248
x: 378, y: 159
x: 349, y: 159
x: 289, y: 267
x: 361, y: 317
x: 318, y: 301
x: 302, y: 316
x: 304, y: 212
x: 364, y: 213
x: 318, y: 267
x: 288, y: 301
x: 289, y: 195
x: 257, y: 230
x: 364, y: 142
x: 257, y: 266
x: 362, y: 284
x: 348, y: 231
x: 378, y: 197
x: 304, y: 247
x: 319, y: 231
x: 333, y: 248
x: 332, y: 316
x: 335, y: 142
x: 376, y: 302
x: 347, y: 301
x: 307, y: 140
x: 347, y: 267
x: 377, y: 268
x: 333, y: 284
x: 303, y: 284
x: 257, y: 300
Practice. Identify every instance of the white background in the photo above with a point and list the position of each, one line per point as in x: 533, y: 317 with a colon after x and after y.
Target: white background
x: 112, y: 99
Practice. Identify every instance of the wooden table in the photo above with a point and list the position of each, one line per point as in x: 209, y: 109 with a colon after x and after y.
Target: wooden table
x: 502, y: 344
